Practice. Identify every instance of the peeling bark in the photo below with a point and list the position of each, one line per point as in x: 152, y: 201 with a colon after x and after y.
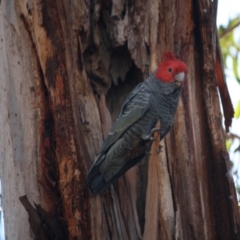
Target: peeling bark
x: 66, y: 68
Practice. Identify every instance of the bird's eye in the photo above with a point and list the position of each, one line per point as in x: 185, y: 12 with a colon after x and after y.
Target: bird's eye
x: 169, y: 70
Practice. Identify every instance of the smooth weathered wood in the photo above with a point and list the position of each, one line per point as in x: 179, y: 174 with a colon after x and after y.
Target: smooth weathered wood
x: 66, y: 68
x: 151, y: 210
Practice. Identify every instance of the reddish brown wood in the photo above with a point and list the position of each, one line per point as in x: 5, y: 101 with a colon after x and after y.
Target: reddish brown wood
x: 228, y: 110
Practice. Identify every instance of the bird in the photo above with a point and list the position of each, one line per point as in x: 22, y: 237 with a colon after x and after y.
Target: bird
x: 130, y: 138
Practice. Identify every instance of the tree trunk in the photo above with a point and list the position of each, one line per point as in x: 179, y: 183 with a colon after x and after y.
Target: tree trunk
x: 66, y: 68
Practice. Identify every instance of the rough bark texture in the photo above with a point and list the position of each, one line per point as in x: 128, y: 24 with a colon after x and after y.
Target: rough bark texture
x: 65, y: 69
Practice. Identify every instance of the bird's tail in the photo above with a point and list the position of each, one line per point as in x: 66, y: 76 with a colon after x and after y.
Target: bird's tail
x: 95, y: 179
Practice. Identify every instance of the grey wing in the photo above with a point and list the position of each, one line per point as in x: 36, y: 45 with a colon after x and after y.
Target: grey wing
x: 134, y: 107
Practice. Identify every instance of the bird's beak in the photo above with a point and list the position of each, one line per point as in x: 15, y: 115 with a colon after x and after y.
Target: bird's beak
x: 179, y: 78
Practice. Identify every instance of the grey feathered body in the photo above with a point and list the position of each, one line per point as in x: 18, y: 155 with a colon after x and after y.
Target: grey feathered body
x: 150, y: 101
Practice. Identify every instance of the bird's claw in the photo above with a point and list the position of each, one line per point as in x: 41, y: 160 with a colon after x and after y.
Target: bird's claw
x: 149, y: 137
x: 153, y: 130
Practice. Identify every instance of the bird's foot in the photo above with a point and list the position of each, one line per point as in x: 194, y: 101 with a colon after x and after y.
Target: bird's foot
x: 149, y: 137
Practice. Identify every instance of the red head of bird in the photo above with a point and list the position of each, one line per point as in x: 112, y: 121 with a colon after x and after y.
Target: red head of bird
x: 171, y: 69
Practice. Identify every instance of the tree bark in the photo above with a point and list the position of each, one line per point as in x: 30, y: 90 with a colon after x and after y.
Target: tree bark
x: 66, y: 68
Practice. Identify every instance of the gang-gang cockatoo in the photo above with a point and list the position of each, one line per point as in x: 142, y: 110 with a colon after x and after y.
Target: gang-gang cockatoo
x: 130, y: 138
